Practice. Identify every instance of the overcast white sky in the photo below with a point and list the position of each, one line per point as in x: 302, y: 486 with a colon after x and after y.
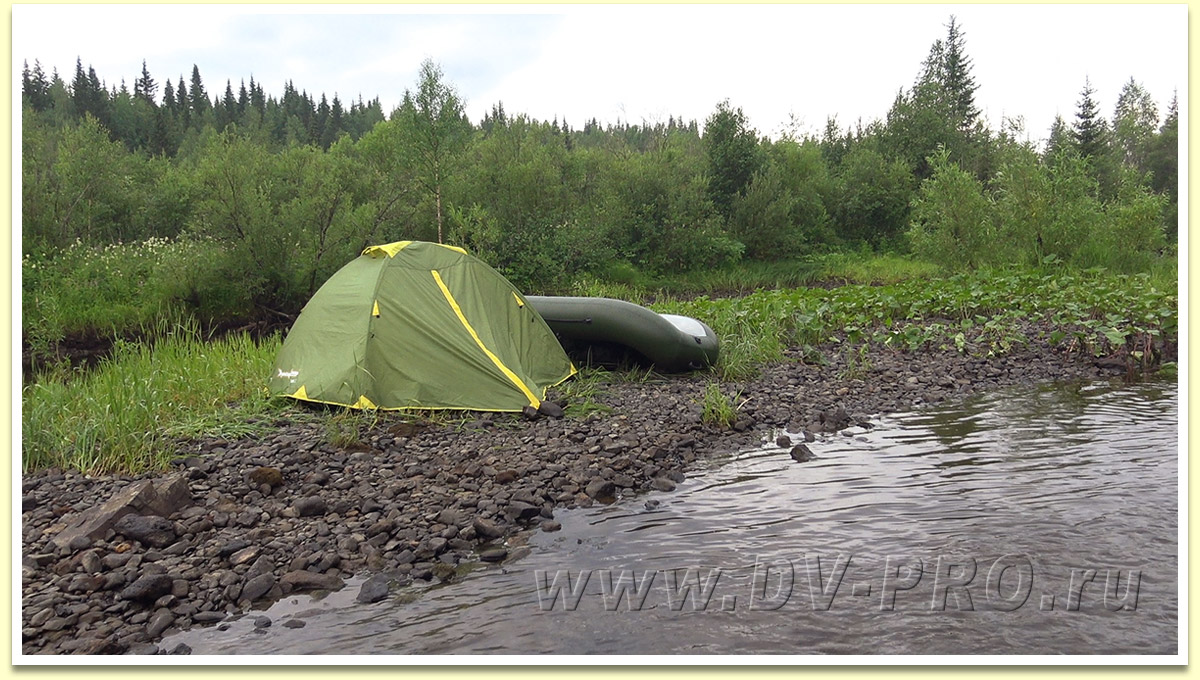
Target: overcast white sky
x: 779, y: 63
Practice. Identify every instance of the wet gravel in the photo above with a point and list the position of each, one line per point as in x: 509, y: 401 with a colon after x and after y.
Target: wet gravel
x: 292, y: 512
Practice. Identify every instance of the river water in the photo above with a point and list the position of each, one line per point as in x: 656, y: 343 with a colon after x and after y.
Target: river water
x: 1037, y: 520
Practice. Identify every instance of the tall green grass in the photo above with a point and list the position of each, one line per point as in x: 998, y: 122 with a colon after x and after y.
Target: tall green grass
x: 127, y: 414
x: 626, y: 283
x: 872, y: 269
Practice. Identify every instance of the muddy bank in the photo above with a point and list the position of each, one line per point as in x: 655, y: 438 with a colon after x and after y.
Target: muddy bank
x: 241, y: 523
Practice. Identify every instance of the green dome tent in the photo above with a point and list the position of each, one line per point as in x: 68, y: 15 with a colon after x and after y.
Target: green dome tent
x: 419, y: 325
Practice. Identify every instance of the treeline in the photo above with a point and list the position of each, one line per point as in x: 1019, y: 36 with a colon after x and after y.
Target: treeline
x: 174, y: 122
x: 284, y: 191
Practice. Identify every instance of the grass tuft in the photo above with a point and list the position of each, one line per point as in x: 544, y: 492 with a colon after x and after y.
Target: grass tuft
x: 127, y: 414
x: 717, y: 407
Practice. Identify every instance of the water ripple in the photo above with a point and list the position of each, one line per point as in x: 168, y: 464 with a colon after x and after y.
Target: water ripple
x: 1057, y: 480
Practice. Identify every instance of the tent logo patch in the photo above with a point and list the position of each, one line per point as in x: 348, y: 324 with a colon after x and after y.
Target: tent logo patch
x: 288, y: 374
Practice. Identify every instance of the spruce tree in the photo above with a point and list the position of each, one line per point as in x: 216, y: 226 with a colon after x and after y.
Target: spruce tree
x: 198, y: 100
x: 1059, y: 139
x: 145, y: 87
x: 957, y: 80
x: 169, y: 103
x: 228, y: 111
x: 335, y: 125
x: 321, y: 123
x: 36, y: 87
x: 243, y: 100
x: 258, y: 98
x: 1089, y: 133
x: 183, y: 104
x: 80, y: 90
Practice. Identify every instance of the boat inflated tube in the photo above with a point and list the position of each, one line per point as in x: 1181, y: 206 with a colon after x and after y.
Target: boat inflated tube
x: 673, y: 344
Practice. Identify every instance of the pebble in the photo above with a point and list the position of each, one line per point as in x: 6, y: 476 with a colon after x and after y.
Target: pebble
x: 374, y: 589
x: 497, y: 554
x: 309, y: 506
x: 258, y: 586
x: 601, y: 490
x: 802, y: 454
x: 148, y: 529
x: 148, y: 588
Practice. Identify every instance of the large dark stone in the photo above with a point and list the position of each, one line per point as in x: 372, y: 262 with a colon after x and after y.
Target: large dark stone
x: 150, y: 530
x: 521, y: 510
x: 375, y: 589
x: 601, y: 490
x: 487, y: 528
x: 802, y: 454
x: 258, y: 586
x: 309, y: 506
x: 161, y: 498
x: 232, y: 547
x: 148, y: 588
x: 450, y: 517
x: 496, y: 554
x: 159, y: 623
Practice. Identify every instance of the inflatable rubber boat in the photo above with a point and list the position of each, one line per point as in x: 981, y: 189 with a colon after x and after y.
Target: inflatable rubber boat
x: 673, y: 344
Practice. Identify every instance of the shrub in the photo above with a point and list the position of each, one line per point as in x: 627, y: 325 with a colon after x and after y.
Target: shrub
x: 952, y: 220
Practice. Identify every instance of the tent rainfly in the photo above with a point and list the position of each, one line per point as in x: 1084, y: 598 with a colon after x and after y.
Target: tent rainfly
x: 419, y: 325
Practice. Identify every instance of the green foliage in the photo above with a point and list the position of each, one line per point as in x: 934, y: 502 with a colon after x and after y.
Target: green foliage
x: 127, y: 415
x: 782, y: 211
x: 77, y: 185
x: 733, y: 154
x: 433, y: 130
x: 239, y: 205
x: 1045, y: 209
x: 987, y: 312
x: 1130, y: 237
x: 1037, y: 211
x: 657, y: 205
x: 872, y: 198
x: 1162, y: 163
x: 117, y: 289
x: 952, y: 217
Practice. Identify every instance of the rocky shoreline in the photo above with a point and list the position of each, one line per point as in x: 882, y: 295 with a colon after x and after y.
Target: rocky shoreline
x: 111, y: 564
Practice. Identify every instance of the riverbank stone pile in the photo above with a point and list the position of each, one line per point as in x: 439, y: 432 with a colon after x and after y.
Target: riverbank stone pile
x: 111, y: 564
